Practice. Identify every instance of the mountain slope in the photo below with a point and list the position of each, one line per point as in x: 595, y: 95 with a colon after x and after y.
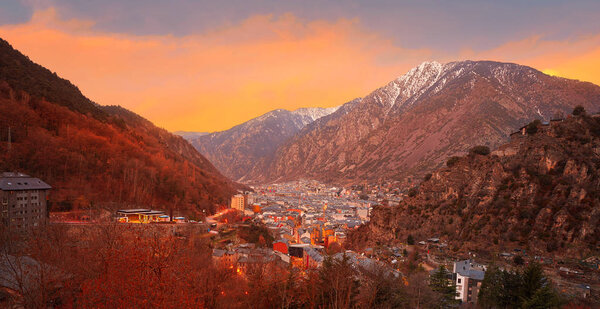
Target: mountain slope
x: 410, y: 126
x: 189, y: 135
x: 538, y: 192
x: 241, y: 148
x: 98, y: 156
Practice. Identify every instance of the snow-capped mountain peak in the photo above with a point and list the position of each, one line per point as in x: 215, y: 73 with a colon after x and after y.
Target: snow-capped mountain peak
x: 315, y: 113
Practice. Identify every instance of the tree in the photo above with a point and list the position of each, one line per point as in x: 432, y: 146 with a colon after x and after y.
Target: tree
x: 480, y: 150
x: 338, y: 283
x: 381, y: 288
x: 452, y: 160
x: 410, y: 239
x: 499, y: 289
x: 532, y: 127
x: 412, y: 192
x: 518, y: 260
x: 419, y: 293
x: 578, y: 110
x: 444, y: 286
x: 529, y: 288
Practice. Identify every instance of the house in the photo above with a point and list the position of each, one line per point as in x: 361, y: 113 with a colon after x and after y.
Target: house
x: 140, y: 215
x: 467, y: 276
x: 312, y: 258
x: 22, y: 201
x: 281, y: 245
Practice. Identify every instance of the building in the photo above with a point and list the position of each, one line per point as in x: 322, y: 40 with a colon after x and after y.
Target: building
x: 239, y: 201
x: 281, y: 246
x: 141, y: 216
x: 23, y: 200
x: 468, y: 276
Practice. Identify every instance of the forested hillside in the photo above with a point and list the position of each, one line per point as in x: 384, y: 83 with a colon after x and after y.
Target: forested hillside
x: 96, y: 156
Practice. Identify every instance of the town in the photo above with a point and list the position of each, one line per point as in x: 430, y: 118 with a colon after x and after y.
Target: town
x: 300, y: 224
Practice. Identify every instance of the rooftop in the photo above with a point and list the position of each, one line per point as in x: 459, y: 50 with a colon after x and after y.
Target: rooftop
x: 20, y: 181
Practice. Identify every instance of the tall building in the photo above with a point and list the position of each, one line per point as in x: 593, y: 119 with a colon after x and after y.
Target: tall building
x: 468, y: 277
x: 22, y: 200
x: 239, y: 202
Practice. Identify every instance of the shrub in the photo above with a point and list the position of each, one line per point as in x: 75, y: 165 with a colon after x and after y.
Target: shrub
x: 578, y: 110
x: 518, y: 260
x: 480, y: 150
x: 452, y: 160
x: 532, y: 127
x: 412, y: 192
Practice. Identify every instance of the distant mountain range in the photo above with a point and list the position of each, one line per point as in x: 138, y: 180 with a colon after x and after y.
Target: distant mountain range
x: 189, y: 135
x: 96, y: 156
x: 402, y: 130
x: 250, y: 145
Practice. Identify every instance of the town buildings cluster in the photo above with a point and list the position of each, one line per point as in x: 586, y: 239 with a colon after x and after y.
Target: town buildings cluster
x: 307, y: 217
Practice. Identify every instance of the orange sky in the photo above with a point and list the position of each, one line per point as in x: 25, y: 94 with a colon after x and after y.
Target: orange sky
x: 219, y: 78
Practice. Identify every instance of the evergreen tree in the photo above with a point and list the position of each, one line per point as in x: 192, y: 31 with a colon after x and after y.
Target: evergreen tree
x: 441, y: 283
x: 410, y: 240
x: 527, y: 289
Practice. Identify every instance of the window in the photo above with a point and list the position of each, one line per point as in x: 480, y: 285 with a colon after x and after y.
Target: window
x: 459, y: 280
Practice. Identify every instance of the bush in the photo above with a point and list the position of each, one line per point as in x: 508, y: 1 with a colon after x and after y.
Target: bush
x: 480, y: 150
x: 578, y: 110
x: 452, y: 160
x: 410, y: 240
x: 518, y: 260
x: 532, y: 127
x: 412, y: 192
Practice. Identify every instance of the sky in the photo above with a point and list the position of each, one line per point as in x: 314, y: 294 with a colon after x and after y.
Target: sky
x: 206, y: 66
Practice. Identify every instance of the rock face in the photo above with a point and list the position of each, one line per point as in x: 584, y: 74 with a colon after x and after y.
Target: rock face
x: 540, y: 192
x: 411, y: 125
x: 249, y: 145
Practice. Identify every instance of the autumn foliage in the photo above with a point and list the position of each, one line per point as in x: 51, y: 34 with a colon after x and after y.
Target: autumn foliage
x: 96, y: 156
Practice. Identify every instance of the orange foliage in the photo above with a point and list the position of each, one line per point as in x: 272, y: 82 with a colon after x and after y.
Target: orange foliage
x: 90, y: 161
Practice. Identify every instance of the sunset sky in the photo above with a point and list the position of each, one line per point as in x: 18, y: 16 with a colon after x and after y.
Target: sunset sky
x: 209, y: 65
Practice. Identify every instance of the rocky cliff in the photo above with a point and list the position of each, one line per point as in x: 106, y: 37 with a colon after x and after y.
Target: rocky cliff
x: 541, y: 191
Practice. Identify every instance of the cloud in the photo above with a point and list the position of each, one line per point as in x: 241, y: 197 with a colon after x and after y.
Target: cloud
x: 218, y: 78
x: 575, y: 58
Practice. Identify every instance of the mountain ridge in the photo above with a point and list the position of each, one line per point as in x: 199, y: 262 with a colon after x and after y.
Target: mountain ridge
x: 410, y: 125
x: 248, y: 145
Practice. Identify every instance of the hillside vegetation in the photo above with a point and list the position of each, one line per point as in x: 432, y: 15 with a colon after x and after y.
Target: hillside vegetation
x: 540, y: 191
x: 96, y: 156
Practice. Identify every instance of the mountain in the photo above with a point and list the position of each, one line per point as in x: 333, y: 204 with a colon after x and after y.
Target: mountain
x: 412, y: 124
x: 251, y: 144
x: 189, y: 135
x: 538, y: 192
x: 92, y: 155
